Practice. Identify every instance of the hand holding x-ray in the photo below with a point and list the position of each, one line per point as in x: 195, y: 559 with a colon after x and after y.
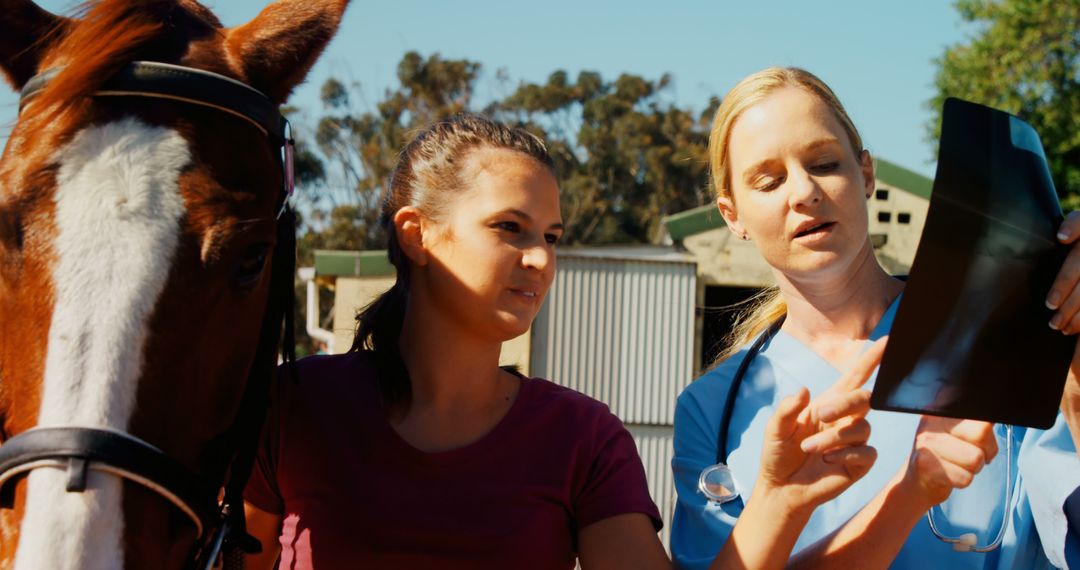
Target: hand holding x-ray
x: 971, y: 336
x: 1064, y: 298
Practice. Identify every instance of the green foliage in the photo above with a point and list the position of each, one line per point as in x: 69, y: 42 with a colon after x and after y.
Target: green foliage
x: 1024, y: 58
x: 625, y: 158
x: 360, y: 147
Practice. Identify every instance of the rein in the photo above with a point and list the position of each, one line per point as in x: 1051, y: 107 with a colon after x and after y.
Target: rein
x: 77, y: 450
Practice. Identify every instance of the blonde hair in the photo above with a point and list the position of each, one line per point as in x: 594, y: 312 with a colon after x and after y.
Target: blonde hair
x: 766, y: 307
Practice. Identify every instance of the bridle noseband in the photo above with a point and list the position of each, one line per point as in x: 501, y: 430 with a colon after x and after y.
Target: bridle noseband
x: 77, y: 449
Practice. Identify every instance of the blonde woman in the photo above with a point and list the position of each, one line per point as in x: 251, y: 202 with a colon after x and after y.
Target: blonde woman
x: 792, y: 175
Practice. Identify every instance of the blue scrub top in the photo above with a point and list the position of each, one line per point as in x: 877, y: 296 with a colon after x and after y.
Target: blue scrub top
x: 1044, y: 530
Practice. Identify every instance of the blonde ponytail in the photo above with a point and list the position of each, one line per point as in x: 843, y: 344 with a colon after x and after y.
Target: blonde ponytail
x: 760, y: 311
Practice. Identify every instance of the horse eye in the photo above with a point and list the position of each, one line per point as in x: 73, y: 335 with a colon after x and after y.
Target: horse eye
x: 251, y: 265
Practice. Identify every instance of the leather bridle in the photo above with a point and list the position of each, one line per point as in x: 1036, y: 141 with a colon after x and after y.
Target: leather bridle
x: 79, y: 449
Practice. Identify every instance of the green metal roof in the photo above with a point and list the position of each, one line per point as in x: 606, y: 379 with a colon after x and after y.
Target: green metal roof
x: 695, y: 221
x: 352, y: 263
x: 902, y: 178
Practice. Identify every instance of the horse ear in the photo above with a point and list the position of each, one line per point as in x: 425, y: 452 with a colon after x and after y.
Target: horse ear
x: 278, y: 47
x: 26, y: 33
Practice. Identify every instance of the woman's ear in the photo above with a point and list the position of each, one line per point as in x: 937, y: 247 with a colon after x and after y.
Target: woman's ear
x: 409, y: 228
x: 866, y: 166
x: 731, y: 217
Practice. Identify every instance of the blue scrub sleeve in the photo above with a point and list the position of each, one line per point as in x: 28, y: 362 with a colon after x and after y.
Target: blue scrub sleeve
x: 1050, y: 469
x: 699, y: 527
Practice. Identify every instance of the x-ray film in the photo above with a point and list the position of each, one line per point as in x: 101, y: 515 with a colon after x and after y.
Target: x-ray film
x: 970, y: 338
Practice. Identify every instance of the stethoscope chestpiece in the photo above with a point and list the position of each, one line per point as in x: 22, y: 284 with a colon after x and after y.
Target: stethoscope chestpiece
x: 965, y: 542
x: 718, y: 484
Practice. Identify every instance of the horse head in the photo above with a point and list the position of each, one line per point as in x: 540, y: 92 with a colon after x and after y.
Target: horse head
x: 138, y: 225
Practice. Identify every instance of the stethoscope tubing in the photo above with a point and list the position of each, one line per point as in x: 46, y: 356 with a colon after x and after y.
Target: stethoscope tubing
x: 959, y: 543
x: 736, y: 383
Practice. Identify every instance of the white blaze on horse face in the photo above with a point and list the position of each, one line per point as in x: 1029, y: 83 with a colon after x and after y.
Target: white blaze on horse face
x: 118, y: 211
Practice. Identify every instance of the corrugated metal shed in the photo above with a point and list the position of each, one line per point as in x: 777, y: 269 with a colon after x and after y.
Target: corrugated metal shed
x: 619, y: 326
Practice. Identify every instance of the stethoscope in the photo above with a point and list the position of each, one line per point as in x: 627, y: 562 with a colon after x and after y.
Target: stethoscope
x: 717, y: 482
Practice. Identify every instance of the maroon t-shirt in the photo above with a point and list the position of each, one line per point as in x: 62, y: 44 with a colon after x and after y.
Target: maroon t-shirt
x: 353, y: 493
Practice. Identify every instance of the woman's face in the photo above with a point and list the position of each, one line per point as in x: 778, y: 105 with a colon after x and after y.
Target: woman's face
x: 492, y: 256
x: 798, y: 189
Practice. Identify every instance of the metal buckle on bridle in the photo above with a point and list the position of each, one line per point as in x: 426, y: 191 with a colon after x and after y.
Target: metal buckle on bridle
x: 288, y: 153
x: 79, y: 450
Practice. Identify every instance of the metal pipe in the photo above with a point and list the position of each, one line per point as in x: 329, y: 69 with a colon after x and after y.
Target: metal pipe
x: 312, y: 322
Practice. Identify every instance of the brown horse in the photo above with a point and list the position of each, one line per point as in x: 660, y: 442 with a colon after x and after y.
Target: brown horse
x: 136, y: 232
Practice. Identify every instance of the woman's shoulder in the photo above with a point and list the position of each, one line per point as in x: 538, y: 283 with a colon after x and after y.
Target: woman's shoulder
x: 542, y: 391
x: 326, y: 375
x: 326, y: 365
x: 568, y: 419
x: 565, y: 408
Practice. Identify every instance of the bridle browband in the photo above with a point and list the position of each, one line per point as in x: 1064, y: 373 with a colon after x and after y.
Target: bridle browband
x: 184, y: 84
x: 78, y: 449
x: 153, y: 80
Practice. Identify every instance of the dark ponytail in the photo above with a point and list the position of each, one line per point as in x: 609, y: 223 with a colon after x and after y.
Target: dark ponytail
x: 428, y: 177
x: 378, y: 325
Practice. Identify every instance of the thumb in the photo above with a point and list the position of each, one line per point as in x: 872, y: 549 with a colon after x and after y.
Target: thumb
x: 788, y: 416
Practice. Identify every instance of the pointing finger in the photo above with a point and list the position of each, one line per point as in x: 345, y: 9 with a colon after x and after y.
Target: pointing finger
x: 864, y: 367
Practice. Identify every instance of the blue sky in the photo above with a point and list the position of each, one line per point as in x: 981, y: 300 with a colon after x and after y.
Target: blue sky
x: 877, y: 56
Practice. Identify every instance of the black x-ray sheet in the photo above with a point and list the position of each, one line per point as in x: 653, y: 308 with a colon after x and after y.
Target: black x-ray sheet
x: 970, y: 338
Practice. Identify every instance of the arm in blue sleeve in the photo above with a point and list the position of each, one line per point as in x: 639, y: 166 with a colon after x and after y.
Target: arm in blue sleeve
x: 1050, y: 470
x: 699, y: 527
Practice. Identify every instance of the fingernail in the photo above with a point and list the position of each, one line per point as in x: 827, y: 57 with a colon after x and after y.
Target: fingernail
x: 1055, y: 322
x: 1063, y: 234
x: 808, y: 446
x: 1053, y: 301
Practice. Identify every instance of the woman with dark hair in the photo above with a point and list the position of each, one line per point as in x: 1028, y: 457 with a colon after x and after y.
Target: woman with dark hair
x: 415, y: 449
